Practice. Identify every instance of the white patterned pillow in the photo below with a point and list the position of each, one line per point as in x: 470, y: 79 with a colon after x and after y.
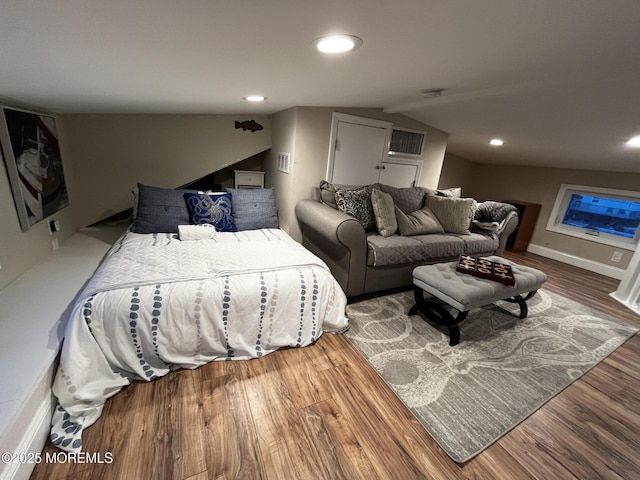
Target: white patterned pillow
x: 357, y: 203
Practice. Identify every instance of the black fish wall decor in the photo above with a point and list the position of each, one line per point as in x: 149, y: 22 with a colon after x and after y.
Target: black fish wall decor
x: 251, y: 125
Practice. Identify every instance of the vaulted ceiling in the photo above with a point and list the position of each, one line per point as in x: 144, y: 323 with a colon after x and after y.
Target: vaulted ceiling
x: 557, y: 80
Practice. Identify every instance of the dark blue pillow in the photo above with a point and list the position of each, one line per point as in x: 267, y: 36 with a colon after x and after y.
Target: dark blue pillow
x: 213, y: 209
x: 254, y: 208
x: 160, y: 210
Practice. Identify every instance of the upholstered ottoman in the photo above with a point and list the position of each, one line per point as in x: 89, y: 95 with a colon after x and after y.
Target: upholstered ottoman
x: 465, y: 292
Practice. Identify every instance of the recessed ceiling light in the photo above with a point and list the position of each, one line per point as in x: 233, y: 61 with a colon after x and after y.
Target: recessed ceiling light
x: 496, y: 142
x: 255, y: 98
x: 634, y: 141
x: 337, y: 43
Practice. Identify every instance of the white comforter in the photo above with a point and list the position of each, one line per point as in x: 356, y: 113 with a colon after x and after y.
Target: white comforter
x: 157, y: 304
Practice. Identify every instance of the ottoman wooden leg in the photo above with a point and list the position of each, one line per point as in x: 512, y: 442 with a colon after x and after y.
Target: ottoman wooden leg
x: 438, y: 314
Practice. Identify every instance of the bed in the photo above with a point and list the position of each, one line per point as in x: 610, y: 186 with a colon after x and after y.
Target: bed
x: 158, y: 303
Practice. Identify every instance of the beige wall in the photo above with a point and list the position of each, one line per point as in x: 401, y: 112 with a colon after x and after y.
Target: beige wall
x: 109, y: 154
x: 458, y: 172
x: 284, y: 140
x: 541, y: 185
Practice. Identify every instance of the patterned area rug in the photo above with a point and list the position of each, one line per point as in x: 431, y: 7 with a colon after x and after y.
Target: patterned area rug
x: 503, y: 370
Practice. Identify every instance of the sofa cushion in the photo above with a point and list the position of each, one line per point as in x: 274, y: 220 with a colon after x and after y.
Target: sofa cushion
x: 384, y: 212
x: 420, y: 222
x: 357, y: 203
x: 396, y: 249
x: 407, y: 199
x: 475, y: 243
x: 455, y: 214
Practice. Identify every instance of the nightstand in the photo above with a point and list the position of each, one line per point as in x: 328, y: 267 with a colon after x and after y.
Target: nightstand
x: 249, y: 179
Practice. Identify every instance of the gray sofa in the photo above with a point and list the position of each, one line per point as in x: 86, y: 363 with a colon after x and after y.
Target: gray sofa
x: 365, y: 261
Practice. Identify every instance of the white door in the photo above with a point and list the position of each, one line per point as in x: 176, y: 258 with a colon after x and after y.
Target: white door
x: 359, y: 147
x: 398, y: 174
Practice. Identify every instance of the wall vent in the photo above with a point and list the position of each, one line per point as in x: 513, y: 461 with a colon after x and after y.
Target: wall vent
x: 406, y: 143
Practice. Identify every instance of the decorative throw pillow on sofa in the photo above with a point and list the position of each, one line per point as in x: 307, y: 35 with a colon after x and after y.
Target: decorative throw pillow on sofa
x: 455, y: 214
x: 254, y: 208
x: 328, y: 191
x: 407, y: 199
x: 420, y: 222
x: 213, y: 209
x: 384, y: 212
x: 357, y: 203
x: 450, y: 192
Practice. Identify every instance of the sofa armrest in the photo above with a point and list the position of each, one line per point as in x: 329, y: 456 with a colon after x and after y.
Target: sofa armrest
x: 506, y: 228
x: 338, y: 239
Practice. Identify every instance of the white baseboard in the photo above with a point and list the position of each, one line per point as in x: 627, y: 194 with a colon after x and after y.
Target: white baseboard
x: 591, y: 265
x: 32, y: 441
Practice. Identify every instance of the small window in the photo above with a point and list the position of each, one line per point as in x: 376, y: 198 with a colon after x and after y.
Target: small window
x: 406, y: 143
x: 598, y: 214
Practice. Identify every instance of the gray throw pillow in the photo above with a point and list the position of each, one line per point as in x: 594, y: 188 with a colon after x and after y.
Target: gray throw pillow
x: 254, y: 208
x: 357, y: 203
x: 455, y: 214
x: 420, y: 222
x: 407, y: 199
x: 384, y: 213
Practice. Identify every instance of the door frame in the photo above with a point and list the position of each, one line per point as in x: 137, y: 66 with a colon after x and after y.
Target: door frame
x: 367, y: 122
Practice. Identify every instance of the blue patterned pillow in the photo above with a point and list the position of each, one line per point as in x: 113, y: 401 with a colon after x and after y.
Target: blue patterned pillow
x: 211, y: 209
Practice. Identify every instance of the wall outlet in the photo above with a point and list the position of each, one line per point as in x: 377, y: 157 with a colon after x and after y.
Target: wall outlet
x: 616, y: 257
x: 54, y: 244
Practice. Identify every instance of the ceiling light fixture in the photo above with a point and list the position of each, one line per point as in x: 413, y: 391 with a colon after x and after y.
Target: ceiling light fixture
x: 337, y: 43
x: 634, y: 141
x: 432, y: 92
x: 496, y: 142
x: 254, y: 98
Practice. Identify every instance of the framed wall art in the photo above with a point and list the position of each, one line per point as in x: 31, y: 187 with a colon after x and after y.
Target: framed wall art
x: 31, y: 154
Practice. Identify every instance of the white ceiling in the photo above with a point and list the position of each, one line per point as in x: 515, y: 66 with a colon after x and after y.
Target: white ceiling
x: 558, y: 80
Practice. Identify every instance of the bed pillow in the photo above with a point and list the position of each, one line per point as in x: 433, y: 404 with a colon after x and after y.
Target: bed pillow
x: 420, y: 222
x: 357, y: 203
x: 455, y: 214
x: 254, y: 208
x: 160, y: 210
x: 384, y: 213
x: 213, y: 209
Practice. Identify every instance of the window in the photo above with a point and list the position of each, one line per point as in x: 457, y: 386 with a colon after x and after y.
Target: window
x: 598, y: 214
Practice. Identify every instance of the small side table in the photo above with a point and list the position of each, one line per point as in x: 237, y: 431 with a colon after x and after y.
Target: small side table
x: 249, y: 179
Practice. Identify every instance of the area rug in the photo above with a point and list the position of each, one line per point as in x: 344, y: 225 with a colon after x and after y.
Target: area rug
x: 503, y: 370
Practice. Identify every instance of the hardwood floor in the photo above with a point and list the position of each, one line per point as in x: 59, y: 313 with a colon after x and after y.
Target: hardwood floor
x: 322, y: 412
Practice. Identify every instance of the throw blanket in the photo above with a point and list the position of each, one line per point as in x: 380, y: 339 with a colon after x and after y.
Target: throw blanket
x: 157, y: 304
x: 490, y: 211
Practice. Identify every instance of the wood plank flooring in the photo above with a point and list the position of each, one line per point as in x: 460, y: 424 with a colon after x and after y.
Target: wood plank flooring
x: 321, y: 412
